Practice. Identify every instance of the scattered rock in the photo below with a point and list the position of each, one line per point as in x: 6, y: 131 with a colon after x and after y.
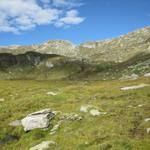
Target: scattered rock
x: 57, y: 112
x: 92, y: 110
x: 15, y: 123
x: 131, y: 77
x: 131, y: 106
x: 9, y: 138
x: 86, y: 143
x: 147, y: 75
x: 51, y: 93
x: 40, y: 119
x: 56, y: 127
x: 2, y: 99
x: 147, y: 119
x: 140, y: 105
x: 86, y: 108
x: 148, y: 130
x: 95, y: 112
x: 49, y: 65
x: 134, y: 87
x: 43, y: 145
x: 71, y: 117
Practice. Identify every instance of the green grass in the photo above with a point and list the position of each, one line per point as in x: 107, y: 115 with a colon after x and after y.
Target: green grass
x: 123, y: 128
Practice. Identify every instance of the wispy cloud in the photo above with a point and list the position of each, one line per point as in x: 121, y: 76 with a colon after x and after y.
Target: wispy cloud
x: 17, y: 16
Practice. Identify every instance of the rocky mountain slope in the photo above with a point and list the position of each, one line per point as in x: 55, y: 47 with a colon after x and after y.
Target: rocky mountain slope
x: 128, y: 53
x: 117, y: 49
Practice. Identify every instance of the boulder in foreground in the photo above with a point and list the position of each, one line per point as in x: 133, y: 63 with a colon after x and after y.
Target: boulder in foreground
x: 40, y: 119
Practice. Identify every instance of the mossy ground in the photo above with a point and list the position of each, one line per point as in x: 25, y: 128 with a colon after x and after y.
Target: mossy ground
x: 122, y: 128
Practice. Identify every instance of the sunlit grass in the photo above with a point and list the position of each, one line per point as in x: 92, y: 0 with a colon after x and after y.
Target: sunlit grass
x: 123, y: 128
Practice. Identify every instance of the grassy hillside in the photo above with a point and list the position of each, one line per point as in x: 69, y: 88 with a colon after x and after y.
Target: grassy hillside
x: 38, y: 66
x: 122, y: 128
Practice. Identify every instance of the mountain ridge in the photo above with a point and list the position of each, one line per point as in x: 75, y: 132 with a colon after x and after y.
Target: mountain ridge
x: 61, y: 59
x: 121, y: 48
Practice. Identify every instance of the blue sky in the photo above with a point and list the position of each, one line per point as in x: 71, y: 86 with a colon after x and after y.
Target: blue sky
x: 25, y: 22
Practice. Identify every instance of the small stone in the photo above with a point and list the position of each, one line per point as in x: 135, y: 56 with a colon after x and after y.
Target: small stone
x: 134, y: 87
x: 86, y: 108
x: 43, y: 145
x: 148, y: 130
x: 2, y: 99
x: 15, y: 123
x: 55, y: 128
x: 140, y: 105
x: 86, y: 143
x: 71, y: 117
x: 147, y: 119
x: 131, y: 77
x: 95, y: 112
x: 51, y: 93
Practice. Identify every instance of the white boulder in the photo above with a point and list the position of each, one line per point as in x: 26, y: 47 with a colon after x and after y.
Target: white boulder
x: 40, y: 119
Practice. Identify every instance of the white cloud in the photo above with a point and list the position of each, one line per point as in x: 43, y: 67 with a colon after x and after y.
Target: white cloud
x: 22, y: 15
x: 71, y: 18
x: 68, y: 3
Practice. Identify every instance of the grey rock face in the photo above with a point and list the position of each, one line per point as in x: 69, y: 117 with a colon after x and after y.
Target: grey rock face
x: 40, y: 119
